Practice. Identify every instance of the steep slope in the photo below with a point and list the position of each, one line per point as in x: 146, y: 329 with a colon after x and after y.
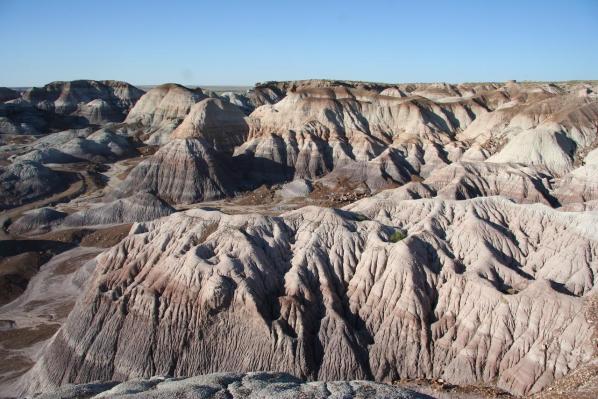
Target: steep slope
x: 343, y: 112
x: 161, y: 110
x: 473, y: 291
x: 182, y: 171
x: 315, y: 130
x: 220, y: 123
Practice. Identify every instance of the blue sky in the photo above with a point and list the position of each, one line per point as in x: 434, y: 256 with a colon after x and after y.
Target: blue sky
x: 242, y: 42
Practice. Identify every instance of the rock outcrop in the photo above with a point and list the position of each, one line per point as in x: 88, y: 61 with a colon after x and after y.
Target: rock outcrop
x: 37, y: 221
x: 472, y: 291
x: 351, y: 113
x: 161, y: 110
x: 463, y: 180
x: 315, y: 130
x: 218, y: 122
x: 466, y: 250
x: 581, y: 184
x: 64, y: 105
x: 100, y: 146
x: 137, y: 208
x: 181, y: 172
x: 22, y: 118
x: 261, y: 385
x: 256, y: 97
x: 25, y: 181
x: 95, y: 101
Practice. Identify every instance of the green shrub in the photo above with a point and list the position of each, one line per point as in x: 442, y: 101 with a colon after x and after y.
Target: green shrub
x: 397, y: 236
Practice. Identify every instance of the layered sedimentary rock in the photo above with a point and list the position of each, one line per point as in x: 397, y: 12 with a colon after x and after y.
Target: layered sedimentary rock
x: 314, y: 130
x: 256, y: 97
x: 182, y: 171
x: 95, y: 101
x: 37, y: 221
x: 161, y: 110
x: 260, y: 385
x: 462, y: 180
x: 22, y: 118
x: 319, y: 127
x: 546, y: 129
x: 63, y: 105
x: 457, y: 269
x: 137, y: 208
x: 472, y: 291
x: 25, y: 181
x: 345, y: 113
x: 100, y: 146
x: 218, y: 122
x: 581, y: 184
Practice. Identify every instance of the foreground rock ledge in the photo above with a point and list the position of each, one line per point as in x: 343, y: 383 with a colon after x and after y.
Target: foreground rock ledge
x: 233, y: 385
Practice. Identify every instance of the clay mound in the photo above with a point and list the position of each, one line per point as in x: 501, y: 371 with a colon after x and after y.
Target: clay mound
x: 47, y: 156
x: 181, y: 172
x: 389, y: 169
x: 56, y: 140
x: 100, y: 111
x: 259, y: 96
x: 581, y: 184
x: 37, y: 221
x: 7, y: 94
x: 25, y: 181
x: 64, y: 105
x: 162, y: 109
x: 220, y: 123
x: 411, y: 190
x: 22, y: 118
x: 402, y: 289
x: 544, y: 146
x: 240, y: 100
x: 279, y: 158
x: 102, y: 101
x: 100, y: 146
x: 137, y: 208
x: 544, y: 127
x: 103, y: 145
x: 296, y: 188
x: 266, y: 385
x: 315, y: 130
x: 47, y: 148
x: 464, y: 180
